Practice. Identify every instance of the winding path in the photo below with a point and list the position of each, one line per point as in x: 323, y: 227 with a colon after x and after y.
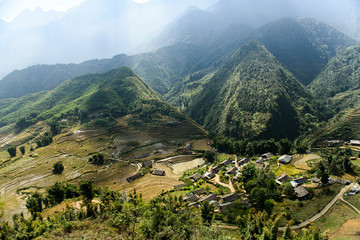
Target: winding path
x: 323, y: 211
x: 230, y: 186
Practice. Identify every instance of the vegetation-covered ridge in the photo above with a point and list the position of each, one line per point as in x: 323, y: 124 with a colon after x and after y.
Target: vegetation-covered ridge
x: 117, y: 92
x: 254, y: 96
x: 341, y: 74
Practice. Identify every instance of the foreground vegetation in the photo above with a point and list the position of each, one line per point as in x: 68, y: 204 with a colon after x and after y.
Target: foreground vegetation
x: 127, y: 216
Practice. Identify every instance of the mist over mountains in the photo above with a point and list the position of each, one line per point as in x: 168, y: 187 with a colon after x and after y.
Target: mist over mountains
x: 102, y: 29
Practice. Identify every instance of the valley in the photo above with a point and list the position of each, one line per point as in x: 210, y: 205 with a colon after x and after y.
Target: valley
x: 223, y: 124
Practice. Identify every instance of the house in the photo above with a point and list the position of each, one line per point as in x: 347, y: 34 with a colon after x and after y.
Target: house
x: 231, y: 171
x: 142, y: 156
x: 199, y: 191
x: 158, y: 172
x: 300, y: 180
x: 195, y: 177
x: 226, y: 162
x: 209, y: 175
x: 209, y: 198
x: 179, y: 186
x: 285, y: 159
x: 188, y: 148
x: 315, y: 180
x: 148, y: 164
x: 216, y: 169
x: 230, y: 197
x: 267, y: 156
x: 355, y: 142
x: 134, y: 177
x: 226, y: 206
x: 283, y: 178
x: 194, y: 204
x: 244, y: 161
x: 191, y: 198
x: 214, y: 202
x: 294, y: 184
x: 301, y: 192
x: 342, y: 181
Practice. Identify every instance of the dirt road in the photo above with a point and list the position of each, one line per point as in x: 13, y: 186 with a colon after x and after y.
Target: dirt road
x: 323, y: 211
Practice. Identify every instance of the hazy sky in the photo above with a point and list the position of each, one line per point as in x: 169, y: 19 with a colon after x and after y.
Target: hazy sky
x: 9, y: 9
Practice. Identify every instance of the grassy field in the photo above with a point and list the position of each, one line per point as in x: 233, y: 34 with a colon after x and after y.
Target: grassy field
x: 337, y: 219
x: 302, y: 210
x: 73, y: 148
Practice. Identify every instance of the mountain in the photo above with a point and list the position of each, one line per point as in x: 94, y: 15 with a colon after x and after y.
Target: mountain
x: 341, y: 74
x: 304, y: 46
x: 94, y: 29
x: 117, y: 92
x: 254, y: 96
x: 35, y: 18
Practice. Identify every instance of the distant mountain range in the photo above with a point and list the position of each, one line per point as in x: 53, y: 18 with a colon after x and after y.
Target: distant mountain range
x: 278, y: 80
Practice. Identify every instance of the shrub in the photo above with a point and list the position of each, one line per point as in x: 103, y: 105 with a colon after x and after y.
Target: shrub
x: 22, y: 149
x: 12, y: 151
x: 58, y: 168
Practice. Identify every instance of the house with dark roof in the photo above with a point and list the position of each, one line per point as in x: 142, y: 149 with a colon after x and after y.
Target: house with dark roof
x: 244, y: 161
x: 231, y: 171
x: 209, y: 175
x: 216, y: 169
x: 267, y: 156
x: 315, y: 180
x: 342, y: 181
x: 158, y: 172
x: 230, y: 197
x: 191, y: 198
x: 195, y: 177
x: 199, y: 191
x: 301, y: 192
x: 134, y: 177
x: 300, y: 180
x: 209, y: 198
x: 142, y: 156
x: 194, y: 204
x: 179, y: 186
x: 282, y: 179
x: 285, y: 159
x: 226, y: 206
x: 148, y: 164
x: 226, y: 162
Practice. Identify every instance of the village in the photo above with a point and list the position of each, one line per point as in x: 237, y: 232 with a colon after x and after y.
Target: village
x: 219, y: 183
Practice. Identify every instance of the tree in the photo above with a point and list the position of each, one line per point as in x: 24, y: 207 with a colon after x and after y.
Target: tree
x: 289, y: 191
x: 87, y: 189
x: 210, y: 156
x: 207, y: 213
x: 12, y: 151
x: 34, y: 203
x: 22, y: 149
x: 57, y: 192
x: 58, y: 168
x: 325, y: 178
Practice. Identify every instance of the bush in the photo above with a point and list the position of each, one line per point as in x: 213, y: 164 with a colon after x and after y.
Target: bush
x: 97, y: 159
x: 58, y: 168
x: 22, y: 149
x: 12, y: 151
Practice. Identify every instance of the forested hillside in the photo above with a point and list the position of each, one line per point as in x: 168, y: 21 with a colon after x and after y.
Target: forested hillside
x: 340, y: 75
x: 117, y: 92
x: 253, y: 96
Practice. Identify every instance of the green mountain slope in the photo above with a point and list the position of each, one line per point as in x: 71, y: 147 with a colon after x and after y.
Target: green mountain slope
x: 303, y: 46
x: 341, y: 74
x: 254, y: 96
x: 117, y: 92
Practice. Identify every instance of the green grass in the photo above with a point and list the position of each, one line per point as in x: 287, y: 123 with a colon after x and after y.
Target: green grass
x: 302, y: 210
x: 336, y: 217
